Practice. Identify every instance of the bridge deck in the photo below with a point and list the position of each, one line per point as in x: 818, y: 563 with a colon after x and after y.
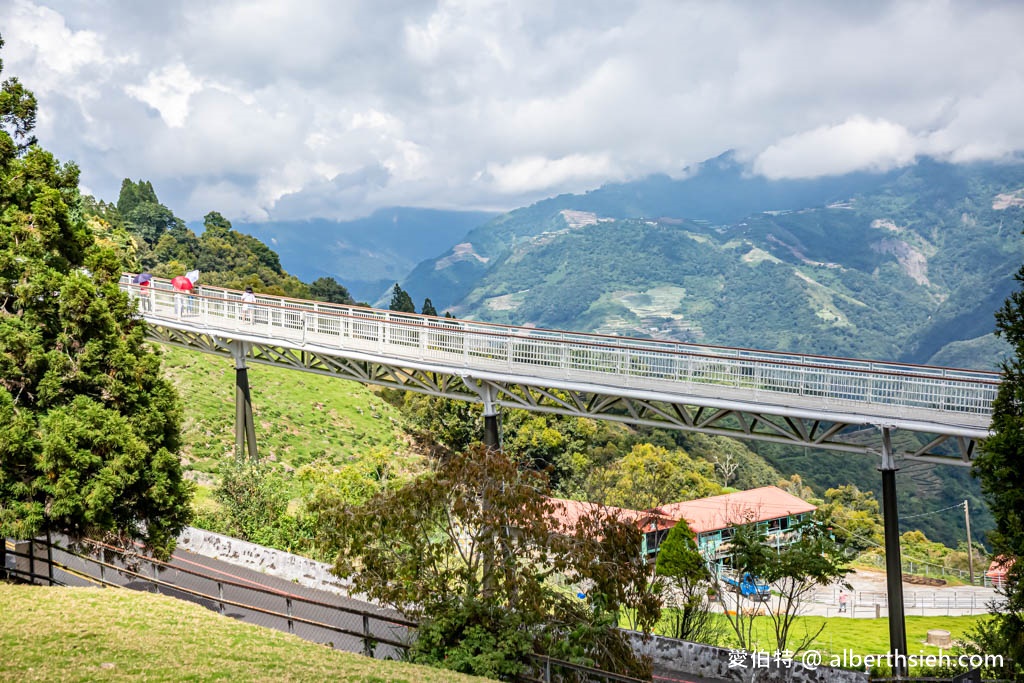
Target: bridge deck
x: 941, y: 400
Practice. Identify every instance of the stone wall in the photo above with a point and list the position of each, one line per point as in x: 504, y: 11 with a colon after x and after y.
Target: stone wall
x: 720, y: 663
x: 264, y: 560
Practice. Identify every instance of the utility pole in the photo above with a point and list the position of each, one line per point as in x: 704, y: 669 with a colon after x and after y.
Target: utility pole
x: 970, y: 549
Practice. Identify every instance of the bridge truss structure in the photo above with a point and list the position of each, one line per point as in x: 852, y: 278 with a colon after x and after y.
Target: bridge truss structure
x: 837, y: 404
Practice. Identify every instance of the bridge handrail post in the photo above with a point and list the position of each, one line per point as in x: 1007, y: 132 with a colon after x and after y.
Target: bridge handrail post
x: 424, y: 333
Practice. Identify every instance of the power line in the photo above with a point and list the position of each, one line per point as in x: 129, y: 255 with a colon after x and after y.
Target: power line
x: 933, y: 512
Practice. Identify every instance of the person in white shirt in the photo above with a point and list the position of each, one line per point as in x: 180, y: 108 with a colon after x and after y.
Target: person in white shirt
x: 248, y: 299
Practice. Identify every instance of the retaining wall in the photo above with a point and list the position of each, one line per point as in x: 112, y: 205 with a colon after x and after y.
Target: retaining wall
x: 720, y: 663
x: 264, y: 560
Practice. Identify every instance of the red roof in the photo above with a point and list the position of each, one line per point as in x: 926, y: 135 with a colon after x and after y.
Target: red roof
x: 999, y: 568
x: 566, y: 513
x: 731, y: 509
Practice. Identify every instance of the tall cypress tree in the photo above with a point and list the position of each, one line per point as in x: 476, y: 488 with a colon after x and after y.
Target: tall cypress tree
x: 89, y: 429
x: 401, y: 301
x: 1000, y: 467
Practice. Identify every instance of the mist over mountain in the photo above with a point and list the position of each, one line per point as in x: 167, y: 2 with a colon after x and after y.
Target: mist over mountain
x: 367, y: 254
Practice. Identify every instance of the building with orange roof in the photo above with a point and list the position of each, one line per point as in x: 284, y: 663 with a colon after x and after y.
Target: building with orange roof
x: 712, y: 519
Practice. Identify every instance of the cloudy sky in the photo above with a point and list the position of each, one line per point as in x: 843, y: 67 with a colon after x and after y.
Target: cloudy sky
x: 267, y: 109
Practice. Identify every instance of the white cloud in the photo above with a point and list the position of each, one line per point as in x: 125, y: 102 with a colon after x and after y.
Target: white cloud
x: 536, y: 173
x: 854, y: 145
x: 168, y: 91
x: 335, y: 109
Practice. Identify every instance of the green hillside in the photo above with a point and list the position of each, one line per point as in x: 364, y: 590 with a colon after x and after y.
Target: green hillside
x: 91, y: 634
x: 300, y: 417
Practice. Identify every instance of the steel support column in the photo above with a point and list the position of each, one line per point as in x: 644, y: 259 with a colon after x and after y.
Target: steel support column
x: 245, y: 428
x: 489, y: 396
x: 893, y: 565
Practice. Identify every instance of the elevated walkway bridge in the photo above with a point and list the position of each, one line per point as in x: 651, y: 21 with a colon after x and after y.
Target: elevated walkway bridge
x: 839, y: 404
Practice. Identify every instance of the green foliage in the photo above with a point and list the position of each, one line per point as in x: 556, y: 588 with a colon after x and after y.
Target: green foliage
x: 474, y: 538
x: 1000, y: 468
x: 473, y: 637
x: 678, y: 556
x: 17, y: 117
x: 328, y: 289
x: 254, y: 506
x: 88, y: 427
x: 134, y: 194
x: 854, y: 517
x: 428, y: 307
x: 401, y: 301
x: 649, y: 476
x: 685, y: 570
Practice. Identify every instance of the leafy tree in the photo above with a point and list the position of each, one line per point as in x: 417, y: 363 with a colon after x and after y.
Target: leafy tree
x: 854, y: 517
x: 1000, y: 468
x: 253, y: 505
x: 469, y: 550
x: 89, y: 429
x: 401, y: 301
x: 150, y: 220
x: 443, y: 425
x: 650, y: 476
x: 328, y: 289
x: 428, y: 307
x: 811, y: 559
x: 17, y: 117
x: 680, y: 563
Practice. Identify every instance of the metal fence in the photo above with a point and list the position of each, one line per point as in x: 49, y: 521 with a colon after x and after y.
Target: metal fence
x: 924, y: 602
x: 634, y: 363
x: 374, y: 633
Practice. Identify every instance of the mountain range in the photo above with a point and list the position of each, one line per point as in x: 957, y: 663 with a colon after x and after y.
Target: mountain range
x: 907, y: 265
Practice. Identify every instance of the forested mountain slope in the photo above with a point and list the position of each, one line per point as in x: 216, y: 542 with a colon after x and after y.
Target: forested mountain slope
x: 891, y: 266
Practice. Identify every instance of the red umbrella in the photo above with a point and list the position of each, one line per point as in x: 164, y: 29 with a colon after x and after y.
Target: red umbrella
x: 181, y: 282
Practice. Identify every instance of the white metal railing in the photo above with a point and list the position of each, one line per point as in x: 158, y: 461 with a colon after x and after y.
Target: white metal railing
x: 963, y: 396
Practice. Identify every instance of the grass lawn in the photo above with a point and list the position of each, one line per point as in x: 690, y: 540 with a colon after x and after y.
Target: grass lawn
x: 92, y: 634
x: 860, y: 636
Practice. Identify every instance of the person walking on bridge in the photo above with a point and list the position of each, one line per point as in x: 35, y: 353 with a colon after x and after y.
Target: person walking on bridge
x: 248, y: 299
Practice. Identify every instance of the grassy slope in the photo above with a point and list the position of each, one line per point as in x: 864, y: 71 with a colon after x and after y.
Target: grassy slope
x: 300, y: 417
x: 90, y: 634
